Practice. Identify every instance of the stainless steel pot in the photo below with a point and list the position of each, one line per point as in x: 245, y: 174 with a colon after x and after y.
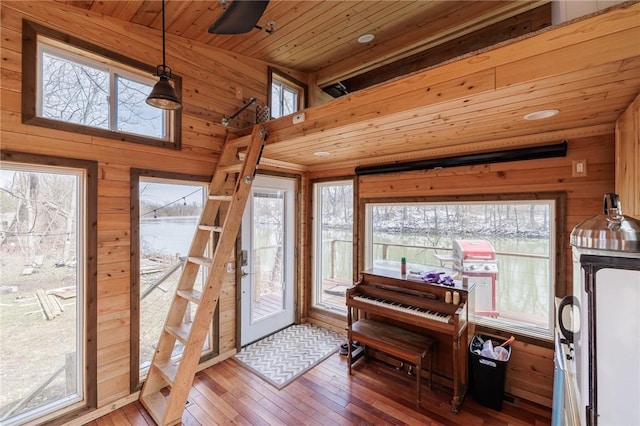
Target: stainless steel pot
x: 608, y: 231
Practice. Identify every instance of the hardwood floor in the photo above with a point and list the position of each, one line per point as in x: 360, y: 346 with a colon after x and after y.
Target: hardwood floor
x: 227, y: 393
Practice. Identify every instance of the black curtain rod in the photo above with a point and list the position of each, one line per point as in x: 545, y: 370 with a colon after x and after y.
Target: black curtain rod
x: 533, y: 153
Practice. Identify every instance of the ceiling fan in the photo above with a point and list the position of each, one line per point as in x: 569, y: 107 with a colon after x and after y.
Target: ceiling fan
x: 240, y: 17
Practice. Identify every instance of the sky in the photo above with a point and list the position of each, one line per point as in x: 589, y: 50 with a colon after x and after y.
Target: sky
x: 162, y: 193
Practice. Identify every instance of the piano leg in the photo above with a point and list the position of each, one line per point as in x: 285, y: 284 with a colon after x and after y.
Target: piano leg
x: 457, y: 400
x: 350, y: 342
x: 418, y: 379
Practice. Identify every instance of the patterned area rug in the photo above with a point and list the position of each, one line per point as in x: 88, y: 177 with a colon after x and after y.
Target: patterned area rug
x: 287, y: 354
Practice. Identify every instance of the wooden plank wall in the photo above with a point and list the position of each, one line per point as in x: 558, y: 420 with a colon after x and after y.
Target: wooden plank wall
x: 628, y: 159
x: 214, y: 85
x: 530, y: 370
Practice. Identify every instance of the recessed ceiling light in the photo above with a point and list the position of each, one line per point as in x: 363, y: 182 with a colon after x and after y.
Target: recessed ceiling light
x: 321, y: 153
x: 539, y: 115
x: 366, y: 38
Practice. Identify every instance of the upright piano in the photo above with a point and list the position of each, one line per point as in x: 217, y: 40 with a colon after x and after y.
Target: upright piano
x: 409, y: 302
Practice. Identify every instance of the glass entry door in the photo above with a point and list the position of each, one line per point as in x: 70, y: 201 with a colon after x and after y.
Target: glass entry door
x: 267, y: 260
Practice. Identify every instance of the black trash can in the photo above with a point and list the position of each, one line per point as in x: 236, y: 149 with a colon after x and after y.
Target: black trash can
x: 487, y: 375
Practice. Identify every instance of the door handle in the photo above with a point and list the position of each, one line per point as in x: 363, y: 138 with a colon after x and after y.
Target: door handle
x: 243, y: 273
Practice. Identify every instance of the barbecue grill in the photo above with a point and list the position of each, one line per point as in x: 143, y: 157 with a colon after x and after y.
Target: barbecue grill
x: 476, y: 260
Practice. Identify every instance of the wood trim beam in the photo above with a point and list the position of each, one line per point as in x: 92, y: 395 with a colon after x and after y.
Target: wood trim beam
x: 485, y: 146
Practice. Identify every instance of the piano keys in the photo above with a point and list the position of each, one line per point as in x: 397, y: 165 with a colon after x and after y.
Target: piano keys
x: 402, y: 307
x: 420, y: 307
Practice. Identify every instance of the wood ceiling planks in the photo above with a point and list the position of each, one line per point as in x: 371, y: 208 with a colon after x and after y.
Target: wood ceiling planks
x: 313, y: 36
x: 588, y: 69
x: 428, y: 23
x: 552, y: 70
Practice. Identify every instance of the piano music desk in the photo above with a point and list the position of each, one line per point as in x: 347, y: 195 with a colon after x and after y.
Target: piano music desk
x: 398, y: 342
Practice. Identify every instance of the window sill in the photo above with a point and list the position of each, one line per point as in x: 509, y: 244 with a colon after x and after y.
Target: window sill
x: 335, y: 313
x: 545, y: 342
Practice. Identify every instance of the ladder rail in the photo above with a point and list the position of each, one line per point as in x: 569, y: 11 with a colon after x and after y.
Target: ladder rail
x: 179, y: 375
x: 213, y: 284
x: 211, y: 209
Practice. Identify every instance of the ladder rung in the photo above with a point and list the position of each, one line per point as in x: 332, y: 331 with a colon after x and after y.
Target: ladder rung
x: 200, y: 260
x: 239, y: 142
x: 231, y: 168
x: 156, y: 404
x: 176, y: 375
x: 167, y: 369
x: 193, y: 295
x: 226, y: 198
x: 210, y: 228
x: 180, y: 332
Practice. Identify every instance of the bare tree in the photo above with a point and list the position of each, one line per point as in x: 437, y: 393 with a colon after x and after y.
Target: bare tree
x: 44, y: 206
x: 79, y: 93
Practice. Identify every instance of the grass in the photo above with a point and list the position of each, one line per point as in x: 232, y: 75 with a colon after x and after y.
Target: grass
x: 33, y: 348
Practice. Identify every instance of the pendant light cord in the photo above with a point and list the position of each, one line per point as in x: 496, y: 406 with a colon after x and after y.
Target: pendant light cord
x: 164, y: 66
x: 163, y: 95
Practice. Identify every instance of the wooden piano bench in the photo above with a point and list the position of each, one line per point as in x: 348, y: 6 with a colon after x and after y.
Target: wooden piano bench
x: 403, y: 344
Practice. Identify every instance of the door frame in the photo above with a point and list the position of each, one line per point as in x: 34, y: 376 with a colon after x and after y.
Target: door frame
x: 297, y: 290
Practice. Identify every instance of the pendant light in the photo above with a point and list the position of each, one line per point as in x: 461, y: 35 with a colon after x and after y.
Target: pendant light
x: 163, y: 95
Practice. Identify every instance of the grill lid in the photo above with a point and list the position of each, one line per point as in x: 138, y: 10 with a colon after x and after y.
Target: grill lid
x: 473, y: 249
x: 608, y: 231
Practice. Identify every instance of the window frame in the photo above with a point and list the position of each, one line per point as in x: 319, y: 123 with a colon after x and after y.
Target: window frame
x: 313, y: 303
x: 135, y: 382
x: 302, y: 89
x: 89, y: 271
x: 32, y: 33
x: 558, y: 240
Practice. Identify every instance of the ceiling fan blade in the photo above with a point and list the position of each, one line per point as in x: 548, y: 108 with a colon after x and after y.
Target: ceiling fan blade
x: 240, y: 17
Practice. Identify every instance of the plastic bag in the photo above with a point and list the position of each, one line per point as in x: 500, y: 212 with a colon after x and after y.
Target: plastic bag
x: 488, y: 351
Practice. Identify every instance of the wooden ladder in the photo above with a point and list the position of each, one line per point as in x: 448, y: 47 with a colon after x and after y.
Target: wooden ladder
x: 178, y: 374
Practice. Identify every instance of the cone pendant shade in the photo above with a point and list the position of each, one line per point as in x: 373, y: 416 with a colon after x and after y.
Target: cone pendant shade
x: 164, y: 95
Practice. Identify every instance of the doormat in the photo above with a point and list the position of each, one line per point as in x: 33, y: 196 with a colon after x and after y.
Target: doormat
x: 289, y: 353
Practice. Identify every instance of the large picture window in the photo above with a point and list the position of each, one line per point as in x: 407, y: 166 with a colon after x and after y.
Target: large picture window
x: 82, y: 88
x: 165, y: 217
x: 333, y: 244
x: 47, y: 298
x: 515, y: 278
x: 169, y: 213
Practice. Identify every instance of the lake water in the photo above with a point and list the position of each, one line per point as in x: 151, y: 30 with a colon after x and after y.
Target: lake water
x: 528, y: 289
x: 524, y: 284
x: 167, y: 235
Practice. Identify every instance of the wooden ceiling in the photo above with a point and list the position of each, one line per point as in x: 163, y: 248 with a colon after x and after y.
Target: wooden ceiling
x: 589, y: 70
x: 320, y: 36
